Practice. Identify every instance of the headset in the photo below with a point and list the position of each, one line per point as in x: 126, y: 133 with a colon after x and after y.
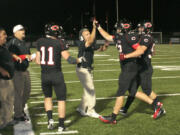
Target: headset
x: 81, y: 38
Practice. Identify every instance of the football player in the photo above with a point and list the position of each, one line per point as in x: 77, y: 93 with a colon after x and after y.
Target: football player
x: 125, y: 42
x: 50, y: 49
x: 144, y: 51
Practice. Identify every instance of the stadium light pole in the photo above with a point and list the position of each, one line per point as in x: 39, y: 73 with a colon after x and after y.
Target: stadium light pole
x: 117, y: 10
x: 152, y: 12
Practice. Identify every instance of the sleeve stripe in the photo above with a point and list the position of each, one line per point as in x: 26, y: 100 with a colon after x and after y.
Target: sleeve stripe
x: 61, y: 43
x: 135, y: 46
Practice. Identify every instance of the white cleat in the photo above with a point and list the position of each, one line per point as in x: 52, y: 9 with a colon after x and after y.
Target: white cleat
x: 50, y: 124
x: 83, y: 113
x: 93, y: 115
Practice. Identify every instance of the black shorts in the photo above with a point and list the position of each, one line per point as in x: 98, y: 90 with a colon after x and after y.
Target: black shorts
x: 127, y: 79
x: 145, y: 79
x: 54, y: 80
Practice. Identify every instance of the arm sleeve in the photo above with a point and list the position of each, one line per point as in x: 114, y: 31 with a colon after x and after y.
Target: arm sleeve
x: 12, y: 48
x: 38, y: 45
x: 145, y: 41
x: 95, y: 46
x: 63, y: 44
x: 81, y: 47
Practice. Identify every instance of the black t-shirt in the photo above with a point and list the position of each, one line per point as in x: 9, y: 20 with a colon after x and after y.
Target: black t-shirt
x: 19, y: 47
x: 50, y: 54
x: 125, y: 44
x: 6, y: 62
x: 146, y: 40
x: 87, y: 53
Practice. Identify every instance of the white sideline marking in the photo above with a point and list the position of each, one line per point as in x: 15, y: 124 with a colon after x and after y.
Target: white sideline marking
x: 36, y: 90
x: 33, y: 81
x: 33, y: 93
x: 93, y: 71
x: 103, y: 55
x: 166, y: 62
x: 105, y: 80
x: 36, y: 86
x: 24, y: 128
x: 37, y: 97
x: 45, y: 123
x: 168, y: 68
x: 100, y: 98
x: 60, y: 133
x: 44, y: 114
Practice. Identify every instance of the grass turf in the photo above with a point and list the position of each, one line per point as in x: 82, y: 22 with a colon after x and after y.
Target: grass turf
x: 139, y: 121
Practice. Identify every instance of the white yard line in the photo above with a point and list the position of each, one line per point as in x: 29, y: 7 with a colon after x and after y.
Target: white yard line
x: 107, y: 80
x: 24, y: 128
x: 33, y: 93
x: 36, y: 86
x: 36, y: 97
x: 60, y: 133
x: 45, y: 123
x: 101, y: 98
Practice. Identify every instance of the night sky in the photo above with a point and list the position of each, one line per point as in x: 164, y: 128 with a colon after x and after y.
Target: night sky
x: 35, y: 13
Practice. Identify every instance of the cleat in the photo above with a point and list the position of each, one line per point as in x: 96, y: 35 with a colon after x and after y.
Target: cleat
x: 123, y: 111
x: 50, y: 124
x: 20, y: 119
x: 25, y: 116
x: 107, y: 119
x: 83, y: 113
x: 158, y: 110
x: 93, y: 115
x: 61, y: 129
x: 159, y: 113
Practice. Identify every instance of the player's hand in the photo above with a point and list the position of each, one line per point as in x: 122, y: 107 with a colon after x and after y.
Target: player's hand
x: 122, y: 56
x: 28, y: 57
x: 81, y: 59
x: 18, y: 59
x: 33, y: 57
x: 96, y: 23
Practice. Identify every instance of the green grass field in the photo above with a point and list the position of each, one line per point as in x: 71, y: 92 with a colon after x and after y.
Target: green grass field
x: 166, y: 80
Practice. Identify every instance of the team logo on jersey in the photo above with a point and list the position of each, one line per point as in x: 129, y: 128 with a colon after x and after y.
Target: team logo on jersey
x: 146, y: 40
x: 133, y: 38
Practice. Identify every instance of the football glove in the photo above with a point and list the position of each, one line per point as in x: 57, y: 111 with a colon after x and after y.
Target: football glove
x: 122, y: 56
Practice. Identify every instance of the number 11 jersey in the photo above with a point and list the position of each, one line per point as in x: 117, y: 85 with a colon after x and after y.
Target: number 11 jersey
x: 50, y: 54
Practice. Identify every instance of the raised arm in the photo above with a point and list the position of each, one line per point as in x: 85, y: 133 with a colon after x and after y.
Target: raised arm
x: 105, y: 35
x: 92, y: 37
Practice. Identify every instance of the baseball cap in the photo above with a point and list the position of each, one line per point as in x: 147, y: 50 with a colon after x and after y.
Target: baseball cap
x: 17, y: 28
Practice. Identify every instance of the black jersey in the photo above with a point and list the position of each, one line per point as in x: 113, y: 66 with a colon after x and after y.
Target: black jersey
x: 126, y: 43
x: 87, y: 53
x: 147, y: 40
x: 50, y: 54
x: 6, y: 62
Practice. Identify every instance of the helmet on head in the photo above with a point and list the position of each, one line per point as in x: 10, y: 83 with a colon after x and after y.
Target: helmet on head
x: 81, y: 38
x: 123, y: 25
x: 146, y: 25
x: 53, y: 29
